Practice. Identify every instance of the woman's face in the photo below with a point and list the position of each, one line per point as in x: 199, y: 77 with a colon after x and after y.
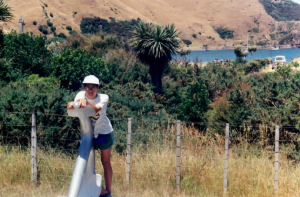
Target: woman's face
x: 90, y: 90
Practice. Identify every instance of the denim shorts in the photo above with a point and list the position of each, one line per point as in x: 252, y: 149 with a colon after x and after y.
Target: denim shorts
x: 104, y: 141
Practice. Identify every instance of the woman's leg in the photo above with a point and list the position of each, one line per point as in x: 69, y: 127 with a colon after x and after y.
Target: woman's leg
x: 108, y: 173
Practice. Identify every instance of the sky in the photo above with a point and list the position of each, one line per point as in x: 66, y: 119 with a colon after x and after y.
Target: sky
x: 297, y: 1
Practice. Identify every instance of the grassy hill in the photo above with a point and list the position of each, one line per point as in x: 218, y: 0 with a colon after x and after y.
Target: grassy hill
x: 197, y: 20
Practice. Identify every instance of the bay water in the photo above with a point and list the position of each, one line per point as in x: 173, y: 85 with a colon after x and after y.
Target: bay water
x: 209, y: 56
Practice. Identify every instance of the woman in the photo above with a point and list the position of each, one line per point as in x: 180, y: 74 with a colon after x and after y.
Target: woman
x: 103, y: 131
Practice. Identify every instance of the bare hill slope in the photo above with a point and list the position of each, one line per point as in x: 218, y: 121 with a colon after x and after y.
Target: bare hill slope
x: 199, y: 17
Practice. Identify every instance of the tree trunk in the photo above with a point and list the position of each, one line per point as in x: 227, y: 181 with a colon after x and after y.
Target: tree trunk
x: 156, y: 72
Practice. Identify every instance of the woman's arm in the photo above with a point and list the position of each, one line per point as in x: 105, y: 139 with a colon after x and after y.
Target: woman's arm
x: 96, y: 107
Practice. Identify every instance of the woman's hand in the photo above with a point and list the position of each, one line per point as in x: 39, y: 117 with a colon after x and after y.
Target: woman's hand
x: 70, y: 105
x: 82, y: 102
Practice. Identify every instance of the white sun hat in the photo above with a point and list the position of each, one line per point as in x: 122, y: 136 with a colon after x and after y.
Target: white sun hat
x: 91, y: 79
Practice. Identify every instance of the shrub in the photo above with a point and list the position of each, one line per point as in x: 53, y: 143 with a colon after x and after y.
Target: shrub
x: 45, y: 31
x: 255, y: 65
x: 72, y: 32
x: 49, y: 24
x: 51, y: 14
x: 53, y: 29
x: 69, y: 28
x: 120, y: 28
x: 71, y: 66
x: 187, y: 42
x: 194, y: 36
x: 254, y: 30
x: 34, y: 23
x: 27, y: 54
x: 41, y: 28
x: 194, y: 104
x: 46, y: 5
x: 225, y: 33
x: 62, y: 35
x: 75, y: 12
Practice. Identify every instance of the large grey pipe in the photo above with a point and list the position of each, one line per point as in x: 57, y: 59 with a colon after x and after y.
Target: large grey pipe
x: 85, y: 183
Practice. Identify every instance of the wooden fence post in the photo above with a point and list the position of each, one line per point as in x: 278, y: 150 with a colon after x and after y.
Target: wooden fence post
x: 276, y: 159
x: 33, y: 147
x: 226, y: 158
x: 128, y: 151
x: 178, y: 152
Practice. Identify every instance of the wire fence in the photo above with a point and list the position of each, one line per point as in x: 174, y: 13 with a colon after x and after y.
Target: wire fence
x: 178, y: 154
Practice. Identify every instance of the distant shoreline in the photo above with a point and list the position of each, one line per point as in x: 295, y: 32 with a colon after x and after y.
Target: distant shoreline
x: 219, y: 48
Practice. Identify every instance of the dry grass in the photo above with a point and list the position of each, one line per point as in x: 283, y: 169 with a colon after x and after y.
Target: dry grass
x: 153, y: 169
x: 191, y: 17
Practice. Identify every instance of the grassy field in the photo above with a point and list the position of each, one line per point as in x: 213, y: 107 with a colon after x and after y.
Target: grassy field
x: 153, y: 169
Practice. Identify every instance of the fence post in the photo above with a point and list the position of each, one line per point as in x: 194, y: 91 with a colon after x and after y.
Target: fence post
x: 178, y: 152
x: 226, y: 158
x: 33, y: 148
x: 128, y: 151
x: 276, y: 159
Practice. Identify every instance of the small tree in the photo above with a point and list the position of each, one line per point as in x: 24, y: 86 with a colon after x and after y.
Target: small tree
x: 252, y: 49
x: 240, y: 53
x: 34, y: 22
x: 69, y: 28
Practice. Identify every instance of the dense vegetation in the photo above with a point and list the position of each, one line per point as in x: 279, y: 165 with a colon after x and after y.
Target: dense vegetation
x: 283, y: 10
x: 96, y: 24
x: 46, y: 77
x: 225, y: 33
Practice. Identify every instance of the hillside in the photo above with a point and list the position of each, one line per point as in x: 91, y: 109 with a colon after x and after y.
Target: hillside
x: 197, y: 20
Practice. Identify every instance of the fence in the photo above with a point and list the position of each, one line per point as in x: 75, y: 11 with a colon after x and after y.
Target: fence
x: 179, y: 160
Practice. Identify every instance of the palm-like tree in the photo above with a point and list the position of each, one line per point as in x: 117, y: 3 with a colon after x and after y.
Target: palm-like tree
x: 252, y: 50
x: 155, y: 45
x: 5, y: 11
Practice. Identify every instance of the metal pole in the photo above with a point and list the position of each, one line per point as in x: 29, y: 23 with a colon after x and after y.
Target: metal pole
x: 178, y: 153
x: 226, y: 158
x: 33, y: 148
x: 276, y: 159
x: 128, y: 151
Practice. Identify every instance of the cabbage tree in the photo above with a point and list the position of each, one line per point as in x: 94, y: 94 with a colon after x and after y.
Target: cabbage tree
x: 154, y: 45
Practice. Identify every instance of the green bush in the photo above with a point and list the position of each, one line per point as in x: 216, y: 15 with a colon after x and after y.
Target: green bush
x: 62, y: 35
x: 34, y: 22
x: 69, y: 28
x: 71, y: 66
x: 254, y: 30
x: 225, y: 33
x: 194, y: 104
x: 255, y: 65
x: 27, y: 55
x: 45, y: 31
x: 120, y: 28
x: 41, y: 28
x: 51, y: 14
x: 49, y: 24
x: 187, y: 42
x: 72, y: 32
x: 53, y: 29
